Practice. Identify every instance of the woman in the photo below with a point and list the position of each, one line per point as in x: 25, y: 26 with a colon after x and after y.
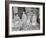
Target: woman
x: 24, y: 18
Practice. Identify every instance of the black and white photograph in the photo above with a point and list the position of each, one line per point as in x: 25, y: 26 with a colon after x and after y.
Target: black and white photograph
x: 25, y: 18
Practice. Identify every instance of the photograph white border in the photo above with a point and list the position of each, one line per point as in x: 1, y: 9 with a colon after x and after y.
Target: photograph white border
x: 25, y: 32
